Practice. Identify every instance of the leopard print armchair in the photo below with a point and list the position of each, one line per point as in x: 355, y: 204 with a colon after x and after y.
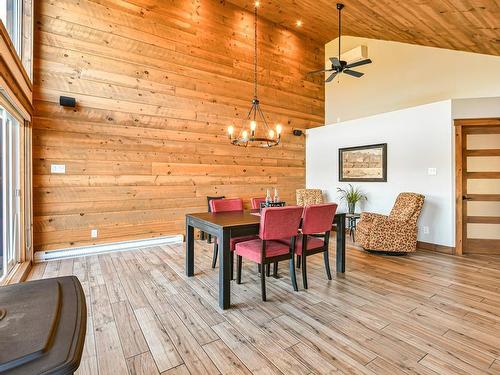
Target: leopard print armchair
x: 396, y: 233
x: 306, y: 197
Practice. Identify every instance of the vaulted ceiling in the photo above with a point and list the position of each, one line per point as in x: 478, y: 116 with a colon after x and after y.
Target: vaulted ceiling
x: 467, y: 25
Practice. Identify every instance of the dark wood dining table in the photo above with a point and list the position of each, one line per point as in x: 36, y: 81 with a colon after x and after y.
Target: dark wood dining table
x: 225, y: 225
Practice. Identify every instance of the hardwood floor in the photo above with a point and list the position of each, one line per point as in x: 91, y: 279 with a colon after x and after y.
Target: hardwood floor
x: 427, y: 313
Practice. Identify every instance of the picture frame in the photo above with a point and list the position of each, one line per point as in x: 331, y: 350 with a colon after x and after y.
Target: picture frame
x: 363, y: 163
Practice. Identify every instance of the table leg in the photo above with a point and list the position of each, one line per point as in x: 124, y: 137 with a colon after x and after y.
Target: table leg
x: 340, y: 253
x: 189, y: 249
x: 224, y: 269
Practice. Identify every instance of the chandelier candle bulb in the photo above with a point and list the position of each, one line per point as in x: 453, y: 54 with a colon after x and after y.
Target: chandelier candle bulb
x: 271, y: 133
x: 244, y: 134
x: 253, y: 126
x: 230, y: 131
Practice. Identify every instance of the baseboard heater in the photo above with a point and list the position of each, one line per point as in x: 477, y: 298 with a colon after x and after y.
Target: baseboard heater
x: 73, y: 252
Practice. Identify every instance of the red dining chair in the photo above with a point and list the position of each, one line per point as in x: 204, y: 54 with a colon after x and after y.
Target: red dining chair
x: 256, y: 202
x: 227, y: 205
x: 275, y: 223
x: 315, y: 236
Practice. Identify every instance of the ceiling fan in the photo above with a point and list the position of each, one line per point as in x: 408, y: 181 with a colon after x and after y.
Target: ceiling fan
x: 340, y: 66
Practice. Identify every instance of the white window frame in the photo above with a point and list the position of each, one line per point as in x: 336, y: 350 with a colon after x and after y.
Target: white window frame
x: 16, y: 30
x: 11, y: 186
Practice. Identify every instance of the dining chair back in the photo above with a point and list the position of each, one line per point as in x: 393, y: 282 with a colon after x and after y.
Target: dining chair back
x: 318, y: 218
x: 225, y: 205
x: 203, y: 234
x: 228, y: 205
x: 279, y: 222
x: 256, y: 202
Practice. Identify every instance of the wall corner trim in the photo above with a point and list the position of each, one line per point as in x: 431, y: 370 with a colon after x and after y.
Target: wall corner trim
x: 42, y: 256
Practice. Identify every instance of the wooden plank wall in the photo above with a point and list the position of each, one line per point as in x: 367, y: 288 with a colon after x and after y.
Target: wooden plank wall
x: 157, y: 84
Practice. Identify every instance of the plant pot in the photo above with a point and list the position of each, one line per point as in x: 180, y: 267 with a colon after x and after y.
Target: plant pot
x: 351, y: 207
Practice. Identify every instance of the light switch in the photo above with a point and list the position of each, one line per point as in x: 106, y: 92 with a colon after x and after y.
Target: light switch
x: 58, y: 168
x: 432, y: 171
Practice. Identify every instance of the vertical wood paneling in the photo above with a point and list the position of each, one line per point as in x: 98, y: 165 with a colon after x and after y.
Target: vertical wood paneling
x: 157, y: 83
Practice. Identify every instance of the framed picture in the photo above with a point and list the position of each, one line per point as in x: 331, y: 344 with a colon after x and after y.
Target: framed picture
x: 363, y: 163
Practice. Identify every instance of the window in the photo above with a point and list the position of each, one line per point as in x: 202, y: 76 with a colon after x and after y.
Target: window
x: 10, y: 192
x: 11, y: 16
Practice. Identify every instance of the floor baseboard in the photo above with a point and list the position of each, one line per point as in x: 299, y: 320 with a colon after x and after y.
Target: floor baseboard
x: 41, y: 256
x: 435, y: 247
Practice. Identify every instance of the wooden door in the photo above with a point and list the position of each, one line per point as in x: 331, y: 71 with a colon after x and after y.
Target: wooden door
x: 480, y: 188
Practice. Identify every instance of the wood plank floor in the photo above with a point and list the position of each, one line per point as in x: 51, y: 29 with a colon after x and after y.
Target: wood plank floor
x: 421, y: 314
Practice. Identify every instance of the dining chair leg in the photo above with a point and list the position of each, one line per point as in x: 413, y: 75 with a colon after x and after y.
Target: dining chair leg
x: 293, y: 276
x: 209, y: 238
x: 259, y: 268
x: 214, y: 256
x: 263, y: 283
x: 275, y: 269
x: 304, y: 259
x: 232, y: 265
x: 327, y: 265
x: 304, y: 272
x: 268, y: 270
x: 298, y: 261
x: 202, y: 235
x: 239, y: 261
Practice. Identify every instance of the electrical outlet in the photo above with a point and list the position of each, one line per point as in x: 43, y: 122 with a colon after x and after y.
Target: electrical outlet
x: 425, y: 229
x: 93, y: 233
x: 58, y: 168
x: 432, y: 171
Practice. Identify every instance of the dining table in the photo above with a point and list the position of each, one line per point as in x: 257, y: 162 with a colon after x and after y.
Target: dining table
x: 224, y: 226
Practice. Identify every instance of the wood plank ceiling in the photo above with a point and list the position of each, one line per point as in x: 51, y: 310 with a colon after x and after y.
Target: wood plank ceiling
x: 157, y: 83
x: 467, y: 25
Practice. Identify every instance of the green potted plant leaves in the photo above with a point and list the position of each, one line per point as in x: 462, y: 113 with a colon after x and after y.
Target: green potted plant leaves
x: 352, y: 196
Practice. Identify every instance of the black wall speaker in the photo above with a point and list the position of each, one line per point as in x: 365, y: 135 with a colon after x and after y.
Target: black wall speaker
x: 297, y: 132
x: 66, y: 101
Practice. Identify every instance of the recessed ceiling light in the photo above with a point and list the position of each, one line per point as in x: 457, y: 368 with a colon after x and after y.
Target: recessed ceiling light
x: 298, y: 23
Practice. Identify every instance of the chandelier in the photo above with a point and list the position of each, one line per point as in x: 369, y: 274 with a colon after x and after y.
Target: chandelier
x: 249, y: 135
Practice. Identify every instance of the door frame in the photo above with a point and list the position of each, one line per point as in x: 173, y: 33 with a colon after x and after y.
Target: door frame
x: 459, y: 174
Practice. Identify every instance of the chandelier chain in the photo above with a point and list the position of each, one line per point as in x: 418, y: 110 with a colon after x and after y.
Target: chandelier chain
x: 255, y: 55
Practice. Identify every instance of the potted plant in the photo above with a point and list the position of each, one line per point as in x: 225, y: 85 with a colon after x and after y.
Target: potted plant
x: 352, y: 196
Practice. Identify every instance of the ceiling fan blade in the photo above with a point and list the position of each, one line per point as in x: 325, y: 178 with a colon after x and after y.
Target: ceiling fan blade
x: 332, y: 76
x: 359, y: 63
x: 335, y: 62
x: 353, y: 73
x: 320, y: 71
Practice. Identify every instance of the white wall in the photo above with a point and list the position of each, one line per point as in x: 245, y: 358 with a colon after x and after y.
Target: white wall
x: 475, y: 107
x: 418, y: 138
x: 405, y: 75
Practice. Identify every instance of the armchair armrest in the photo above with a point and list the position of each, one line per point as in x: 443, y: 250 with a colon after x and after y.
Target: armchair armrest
x: 390, y: 225
x: 370, y: 216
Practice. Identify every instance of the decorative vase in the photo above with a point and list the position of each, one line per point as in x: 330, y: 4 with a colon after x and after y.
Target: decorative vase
x: 351, y: 207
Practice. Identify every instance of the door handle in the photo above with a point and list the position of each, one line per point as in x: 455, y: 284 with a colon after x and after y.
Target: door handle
x: 466, y: 198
